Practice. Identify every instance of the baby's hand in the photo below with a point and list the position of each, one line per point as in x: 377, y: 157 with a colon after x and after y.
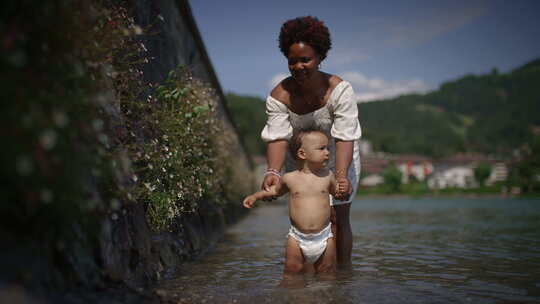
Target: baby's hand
x: 249, y: 201
x: 344, y: 189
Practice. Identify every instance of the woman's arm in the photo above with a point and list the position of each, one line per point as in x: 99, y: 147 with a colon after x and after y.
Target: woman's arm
x: 344, y: 156
x: 346, y: 129
x: 275, y: 155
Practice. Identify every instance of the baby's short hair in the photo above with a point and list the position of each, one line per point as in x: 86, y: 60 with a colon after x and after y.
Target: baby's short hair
x: 298, y: 137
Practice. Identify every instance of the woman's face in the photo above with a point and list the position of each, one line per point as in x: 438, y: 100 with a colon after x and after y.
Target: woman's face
x: 303, y: 62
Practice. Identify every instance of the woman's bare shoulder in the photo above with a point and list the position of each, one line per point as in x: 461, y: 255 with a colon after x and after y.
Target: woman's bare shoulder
x: 334, y: 80
x: 281, y: 91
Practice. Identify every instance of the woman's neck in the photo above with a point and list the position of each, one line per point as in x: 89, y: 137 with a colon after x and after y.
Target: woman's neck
x: 312, y: 85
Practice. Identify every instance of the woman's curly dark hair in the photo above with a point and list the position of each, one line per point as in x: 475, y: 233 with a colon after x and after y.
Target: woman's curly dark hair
x: 309, y: 30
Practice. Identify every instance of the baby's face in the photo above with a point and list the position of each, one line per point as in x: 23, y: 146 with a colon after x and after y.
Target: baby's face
x: 315, y: 146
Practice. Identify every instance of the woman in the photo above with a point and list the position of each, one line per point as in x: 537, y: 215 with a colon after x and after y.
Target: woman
x: 312, y: 98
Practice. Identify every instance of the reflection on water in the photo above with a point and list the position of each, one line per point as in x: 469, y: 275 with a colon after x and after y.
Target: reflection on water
x: 405, y: 251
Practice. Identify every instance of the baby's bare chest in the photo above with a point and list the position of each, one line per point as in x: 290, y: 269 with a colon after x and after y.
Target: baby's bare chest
x: 310, y: 188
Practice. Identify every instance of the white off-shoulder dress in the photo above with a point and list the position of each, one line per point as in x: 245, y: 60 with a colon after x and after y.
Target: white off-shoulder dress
x: 338, y: 118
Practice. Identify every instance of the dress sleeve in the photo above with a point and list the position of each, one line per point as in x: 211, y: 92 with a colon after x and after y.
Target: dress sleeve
x: 346, y: 125
x: 278, y: 125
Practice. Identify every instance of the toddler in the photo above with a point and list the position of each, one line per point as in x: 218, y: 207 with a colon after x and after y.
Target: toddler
x: 310, y: 239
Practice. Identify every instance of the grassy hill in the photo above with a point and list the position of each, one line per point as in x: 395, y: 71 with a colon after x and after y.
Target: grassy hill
x: 491, y: 113
x: 249, y: 115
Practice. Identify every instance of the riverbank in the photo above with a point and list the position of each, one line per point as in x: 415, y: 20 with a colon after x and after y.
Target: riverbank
x: 361, y: 196
x: 417, y: 190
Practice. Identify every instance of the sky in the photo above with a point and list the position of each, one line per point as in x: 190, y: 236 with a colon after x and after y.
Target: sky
x: 383, y: 48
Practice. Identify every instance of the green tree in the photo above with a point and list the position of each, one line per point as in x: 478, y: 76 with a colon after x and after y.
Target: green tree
x: 248, y: 113
x: 482, y: 172
x: 392, y: 178
x: 529, y: 169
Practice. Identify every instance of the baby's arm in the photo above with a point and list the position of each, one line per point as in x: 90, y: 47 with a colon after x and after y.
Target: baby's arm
x: 275, y: 190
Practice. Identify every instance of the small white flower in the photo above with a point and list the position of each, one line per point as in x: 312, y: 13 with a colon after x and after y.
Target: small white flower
x: 104, y: 139
x: 46, y: 196
x: 137, y: 29
x: 60, y: 119
x: 48, y: 139
x: 115, y: 204
x: 97, y: 124
x: 24, y: 165
x: 149, y: 187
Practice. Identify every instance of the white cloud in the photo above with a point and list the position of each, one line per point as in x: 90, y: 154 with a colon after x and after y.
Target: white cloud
x: 276, y: 79
x: 419, y: 29
x: 370, y: 89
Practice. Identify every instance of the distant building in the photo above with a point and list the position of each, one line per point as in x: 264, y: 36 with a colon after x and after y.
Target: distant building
x: 458, y: 171
x: 410, y: 165
x: 413, y: 165
x: 366, y: 148
x: 374, y: 163
x: 499, y: 173
x: 454, y: 177
x: 372, y: 180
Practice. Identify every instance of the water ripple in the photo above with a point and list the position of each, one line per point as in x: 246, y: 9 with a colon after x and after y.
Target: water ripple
x: 405, y: 251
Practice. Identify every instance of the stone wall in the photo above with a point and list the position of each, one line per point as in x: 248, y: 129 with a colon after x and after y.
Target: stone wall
x: 130, y: 252
x: 124, y: 251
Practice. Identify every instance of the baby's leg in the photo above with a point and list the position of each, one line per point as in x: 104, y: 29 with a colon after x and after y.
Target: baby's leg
x: 327, y: 261
x: 294, y: 260
x: 309, y: 268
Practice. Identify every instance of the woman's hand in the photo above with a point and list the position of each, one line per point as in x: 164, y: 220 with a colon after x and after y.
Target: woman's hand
x: 344, y: 189
x: 269, y: 181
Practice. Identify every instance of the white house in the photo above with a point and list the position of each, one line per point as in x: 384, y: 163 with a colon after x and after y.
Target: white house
x: 419, y: 170
x: 458, y: 176
x: 499, y: 173
x: 372, y: 180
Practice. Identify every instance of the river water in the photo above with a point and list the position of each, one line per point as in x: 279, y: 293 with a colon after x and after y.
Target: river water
x: 483, y: 250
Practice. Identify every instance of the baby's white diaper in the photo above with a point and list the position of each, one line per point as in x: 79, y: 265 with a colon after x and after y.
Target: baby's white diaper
x: 312, y: 244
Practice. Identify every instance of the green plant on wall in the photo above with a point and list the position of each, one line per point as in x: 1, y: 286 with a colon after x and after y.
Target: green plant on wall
x: 177, y: 165
x: 86, y: 136
x: 57, y: 167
